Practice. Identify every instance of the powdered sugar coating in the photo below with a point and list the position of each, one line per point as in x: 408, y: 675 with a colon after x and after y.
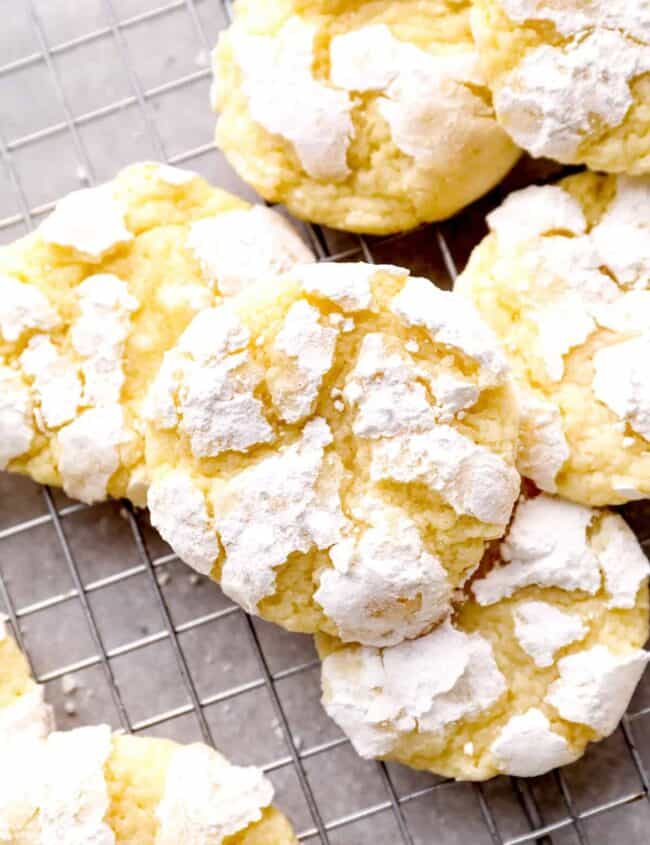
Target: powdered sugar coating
x: 527, y: 746
x: 89, y: 452
x: 16, y: 428
x: 408, y: 702
x: 454, y: 322
x: 595, y: 686
x: 99, y: 334
x: 348, y: 286
x: 175, y: 175
x: 207, y: 799
x: 384, y: 389
x: 315, y: 119
x: 287, y: 511
x: 542, y: 630
x: 572, y: 18
x: 470, y: 477
x: 309, y: 346
x: 622, y: 381
x: 281, y: 505
x: 236, y: 248
x: 418, y: 90
x: 622, y: 236
x: 568, y: 312
x: 178, y: 511
x: 71, y: 795
x: 206, y: 386
x: 546, y: 545
x: 426, y: 684
x: 23, y: 308
x: 548, y: 101
x: 623, y: 561
x: 90, y: 221
x: 536, y: 210
x: 543, y: 448
x: 56, y: 386
x: 571, y: 309
x: 384, y: 586
x: 28, y: 719
x: 90, y: 331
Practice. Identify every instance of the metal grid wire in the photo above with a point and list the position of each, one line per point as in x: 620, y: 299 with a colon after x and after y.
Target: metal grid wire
x: 44, y: 538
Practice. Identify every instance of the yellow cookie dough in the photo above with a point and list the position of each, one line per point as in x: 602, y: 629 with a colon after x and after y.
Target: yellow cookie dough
x: 90, y: 302
x: 563, y: 279
x: 369, y: 116
x: 336, y: 448
x: 570, y: 79
x: 88, y: 785
x: 541, y: 658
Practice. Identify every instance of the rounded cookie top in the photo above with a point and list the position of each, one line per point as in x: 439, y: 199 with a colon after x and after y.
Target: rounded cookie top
x: 570, y: 80
x: 335, y: 448
x: 367, y: 116
x: 564, y: 280
x: 92, y: 299
x: 540, y: 660
x: 24, y: 715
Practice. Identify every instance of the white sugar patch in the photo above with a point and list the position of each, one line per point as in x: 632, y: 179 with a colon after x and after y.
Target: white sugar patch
x: 309, y: 346
x: 238, y: 248
x: 384, y: 586
x: 595, y: 686
x: 286, y: 100
x: 543, y: 629
x: 207, y: 800
x: 546, y: 546
x: 90, y: 221
x: 179, y: 512
x: 23, y: 308
x: 285, y: 503
x: 527, y: 746
x: 472, y: 479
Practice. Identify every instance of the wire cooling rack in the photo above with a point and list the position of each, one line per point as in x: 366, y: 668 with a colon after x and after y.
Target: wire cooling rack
x: 114, y: 625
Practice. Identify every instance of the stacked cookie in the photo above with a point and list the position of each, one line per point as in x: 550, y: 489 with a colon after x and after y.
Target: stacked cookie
x: 342, y: 446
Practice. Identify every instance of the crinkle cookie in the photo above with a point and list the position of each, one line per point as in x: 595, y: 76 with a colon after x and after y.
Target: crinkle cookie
x: 541, y: 659
x: 89, y: 786
x: 90, y: 302
x: 369, y: 116
x: 23, y: 712
x: 335, y: 448
x: 570, y: 79
x: 564, y: 280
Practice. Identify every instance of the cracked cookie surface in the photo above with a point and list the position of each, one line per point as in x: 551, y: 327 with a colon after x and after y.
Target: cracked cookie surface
x: 540, y: 659
x: 336, y: 448
x: 92, y: 299
x: 563, y: 279
x: 363, y: 116
x: 570, y: 80
x: 89, y: 785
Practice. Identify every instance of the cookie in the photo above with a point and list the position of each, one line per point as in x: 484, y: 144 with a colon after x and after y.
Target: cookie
x: 23, y: 712
x: 371, y: 116
x: 89, y: 785
x: 336, y: 448
x: 564, y: 280
x: 570, y: 80
x: 540, y: 659
x: 90, y: 302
